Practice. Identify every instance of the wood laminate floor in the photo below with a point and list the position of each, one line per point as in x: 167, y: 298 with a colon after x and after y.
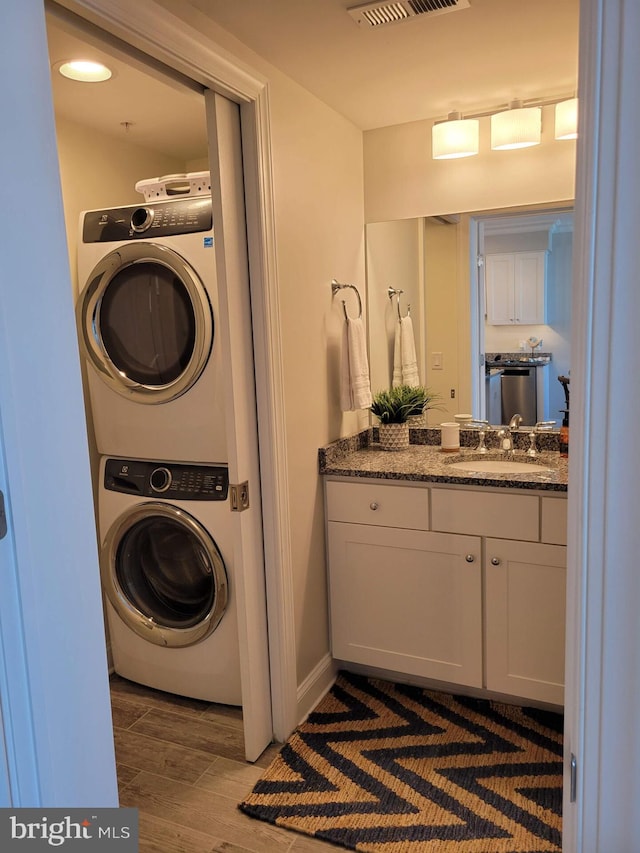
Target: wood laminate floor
x: 181, y: 763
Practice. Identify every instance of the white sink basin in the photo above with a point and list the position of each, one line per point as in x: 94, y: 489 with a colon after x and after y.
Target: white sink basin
x: 500, y: 466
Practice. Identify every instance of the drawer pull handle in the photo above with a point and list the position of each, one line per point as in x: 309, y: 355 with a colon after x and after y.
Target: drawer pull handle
x: 495, y: 561
x: 469, y: 558
x: 373, y: 505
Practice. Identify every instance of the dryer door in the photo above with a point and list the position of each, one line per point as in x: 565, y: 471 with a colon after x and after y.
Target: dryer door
x: 164, y: 574
x: 146, y: 323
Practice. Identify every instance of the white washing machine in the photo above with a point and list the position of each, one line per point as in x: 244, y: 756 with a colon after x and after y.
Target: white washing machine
x: 146, y: 314
x: 166, y: 563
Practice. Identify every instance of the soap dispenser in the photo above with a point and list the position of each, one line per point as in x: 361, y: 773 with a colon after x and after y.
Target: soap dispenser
x: 564, y: 429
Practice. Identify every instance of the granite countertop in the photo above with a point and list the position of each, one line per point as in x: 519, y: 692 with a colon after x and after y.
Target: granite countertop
x: 424, y: 461
x: 516, y: 359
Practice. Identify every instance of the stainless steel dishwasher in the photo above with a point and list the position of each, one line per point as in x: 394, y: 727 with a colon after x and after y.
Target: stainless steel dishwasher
x: 493, y: 395
x: 518, y: 392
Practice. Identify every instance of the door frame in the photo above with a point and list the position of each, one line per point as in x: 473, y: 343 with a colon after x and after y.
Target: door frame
x: 157, y: 32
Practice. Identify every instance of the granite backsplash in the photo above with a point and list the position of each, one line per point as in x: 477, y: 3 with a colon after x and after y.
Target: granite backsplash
x: 546, y: 441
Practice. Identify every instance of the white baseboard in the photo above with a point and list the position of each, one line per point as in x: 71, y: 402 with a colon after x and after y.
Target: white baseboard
x: 316, y: 685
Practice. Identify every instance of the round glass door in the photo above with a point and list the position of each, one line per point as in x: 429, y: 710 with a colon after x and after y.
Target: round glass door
x: 164, y: 575
x: 146, y: 322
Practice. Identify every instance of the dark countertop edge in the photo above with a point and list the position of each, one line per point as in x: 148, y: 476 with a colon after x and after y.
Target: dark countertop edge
x: 510, y: 359
x: 464, y: 480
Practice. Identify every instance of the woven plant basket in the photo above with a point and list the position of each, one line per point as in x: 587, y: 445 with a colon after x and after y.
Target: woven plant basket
x: 394, y: 436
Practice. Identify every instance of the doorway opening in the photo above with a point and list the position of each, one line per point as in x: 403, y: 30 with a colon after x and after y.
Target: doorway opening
x: 521, y: 269
x: 104, y: 151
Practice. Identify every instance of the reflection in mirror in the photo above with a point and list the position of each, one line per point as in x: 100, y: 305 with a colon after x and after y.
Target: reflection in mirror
x: 462, y: 310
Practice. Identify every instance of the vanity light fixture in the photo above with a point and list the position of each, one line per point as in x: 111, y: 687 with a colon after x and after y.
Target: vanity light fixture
x: 84, y: 71
x: 567, y: 119
x: 517, y: 127
x: 456, y: 137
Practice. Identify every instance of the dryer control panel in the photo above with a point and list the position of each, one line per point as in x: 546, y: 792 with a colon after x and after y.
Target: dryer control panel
x: 167, y: 480
x: 155, y: 219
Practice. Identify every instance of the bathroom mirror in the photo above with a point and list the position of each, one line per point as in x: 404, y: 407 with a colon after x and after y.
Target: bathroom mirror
x: 433, y: 261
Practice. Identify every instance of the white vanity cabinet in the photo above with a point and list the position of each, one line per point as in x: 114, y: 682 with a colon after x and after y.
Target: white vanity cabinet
x: 515, y: 288
x: 465, y: 586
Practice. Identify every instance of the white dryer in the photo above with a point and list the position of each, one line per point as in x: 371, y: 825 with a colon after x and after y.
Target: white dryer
x: 166, y: 564
x: 146, y: 314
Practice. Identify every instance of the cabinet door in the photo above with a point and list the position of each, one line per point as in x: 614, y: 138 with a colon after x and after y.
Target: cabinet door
x: 500, y: 274
x: 515, y: 288
x: 529, y: 283
x: 525, y: 617
x: 407, y: 600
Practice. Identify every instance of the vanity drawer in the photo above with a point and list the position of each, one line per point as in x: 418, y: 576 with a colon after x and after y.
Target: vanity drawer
x: 378, y: 503
x: 480, y: 513
x: 554, y: 521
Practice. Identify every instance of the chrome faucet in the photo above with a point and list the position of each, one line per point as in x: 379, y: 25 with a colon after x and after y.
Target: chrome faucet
x: 515, y: 422
x: 483, y: 427
x: 541, y: 426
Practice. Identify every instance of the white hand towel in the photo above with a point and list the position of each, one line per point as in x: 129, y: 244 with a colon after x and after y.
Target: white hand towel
x: 397, y: 356
x: 355, y: 388
x: 405, y: 361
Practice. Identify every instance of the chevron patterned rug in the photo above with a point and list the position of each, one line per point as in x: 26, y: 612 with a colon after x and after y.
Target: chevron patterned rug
x: 396, y: 769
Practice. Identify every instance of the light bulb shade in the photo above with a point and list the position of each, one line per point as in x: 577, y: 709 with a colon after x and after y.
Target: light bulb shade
x: 567, y: 119
x: 85, y: 71
x: 516, y: 128
x: 453, y: 139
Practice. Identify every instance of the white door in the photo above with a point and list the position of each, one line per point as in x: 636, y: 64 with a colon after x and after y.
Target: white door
x: 5, y: 791
x: 53, y: 671
x: 529, y: 287
x: 500, y: 275
x: 232, y: 266
x: 407, y: 601
x: 18, y: 774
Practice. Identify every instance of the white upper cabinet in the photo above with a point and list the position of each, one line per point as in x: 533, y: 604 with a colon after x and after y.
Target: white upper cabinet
x: 515, y: 283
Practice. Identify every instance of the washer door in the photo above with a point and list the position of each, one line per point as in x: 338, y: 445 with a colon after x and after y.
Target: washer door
x: 146, y: 323
x: 164, y: 575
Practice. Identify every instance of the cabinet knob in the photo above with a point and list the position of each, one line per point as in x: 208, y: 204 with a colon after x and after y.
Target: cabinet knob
x: 495, y: 561
x: 373, y: 505
x: 470, y: 558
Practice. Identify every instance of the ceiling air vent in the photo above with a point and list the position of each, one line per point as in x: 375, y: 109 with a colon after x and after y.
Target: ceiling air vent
x: 377, y: 14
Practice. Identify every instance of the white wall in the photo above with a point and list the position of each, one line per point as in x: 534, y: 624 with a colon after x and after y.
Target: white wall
x: 402, y: 179
x: 101, y: 171
x: 442, y: 313
x: 317, y: 167
x: 394, y: 259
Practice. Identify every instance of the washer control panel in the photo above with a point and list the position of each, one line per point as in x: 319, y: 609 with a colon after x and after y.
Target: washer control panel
x: 167, y: 480
x: 154, y: 219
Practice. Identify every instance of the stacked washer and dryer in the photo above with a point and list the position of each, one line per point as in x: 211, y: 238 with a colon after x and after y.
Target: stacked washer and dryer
x: 147, y: 313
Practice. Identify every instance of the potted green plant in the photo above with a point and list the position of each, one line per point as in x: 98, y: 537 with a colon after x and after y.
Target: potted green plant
x: 394, y: 406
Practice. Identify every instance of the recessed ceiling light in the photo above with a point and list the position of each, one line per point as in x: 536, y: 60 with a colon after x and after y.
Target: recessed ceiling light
x: 84, y: 71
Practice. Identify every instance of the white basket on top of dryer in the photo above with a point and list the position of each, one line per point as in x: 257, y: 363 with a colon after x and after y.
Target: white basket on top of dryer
x: 173, y: 186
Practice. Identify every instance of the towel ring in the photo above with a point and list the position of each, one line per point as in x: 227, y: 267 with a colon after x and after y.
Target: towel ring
x: 336, y: 286
x: 391, y: 292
